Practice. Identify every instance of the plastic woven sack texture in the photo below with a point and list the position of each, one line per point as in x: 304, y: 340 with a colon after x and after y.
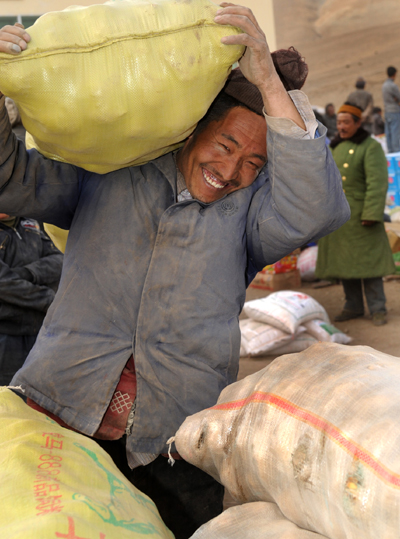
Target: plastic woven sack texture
x: 317, y: 433
x: 258, y: 338
x: 257, y: 520
x: 285, y: 310
x: 57, y: 235
x: 118, y: 84
x: 58, y: 483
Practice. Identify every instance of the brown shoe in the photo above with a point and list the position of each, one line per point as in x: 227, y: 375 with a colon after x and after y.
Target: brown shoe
x: 379, y: 319
x: 347, y: 315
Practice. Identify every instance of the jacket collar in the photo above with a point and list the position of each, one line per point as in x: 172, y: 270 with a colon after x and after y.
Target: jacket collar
x: 166, y: 165
x: 357, y: 138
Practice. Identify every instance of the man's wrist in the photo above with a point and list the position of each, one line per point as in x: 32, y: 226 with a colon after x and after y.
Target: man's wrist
x: 271, y: 88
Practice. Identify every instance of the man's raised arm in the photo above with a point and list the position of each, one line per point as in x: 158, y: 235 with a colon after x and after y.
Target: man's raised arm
x: 30, y: 184
x: 303, y: 199
x: 256, y: 64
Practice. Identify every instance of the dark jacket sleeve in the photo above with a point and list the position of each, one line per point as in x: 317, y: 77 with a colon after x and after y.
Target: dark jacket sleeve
x: 32, y: 185
x: 17, y: 291
x: 47, y: 269
x: 302, y: 201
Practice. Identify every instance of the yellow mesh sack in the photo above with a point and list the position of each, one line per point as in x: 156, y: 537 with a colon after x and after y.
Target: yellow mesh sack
x: 118, y: 84
x: 57, y: 235
x: 58, y: 483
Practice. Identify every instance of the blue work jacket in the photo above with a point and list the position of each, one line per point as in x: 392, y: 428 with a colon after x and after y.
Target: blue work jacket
x: 163, y: 280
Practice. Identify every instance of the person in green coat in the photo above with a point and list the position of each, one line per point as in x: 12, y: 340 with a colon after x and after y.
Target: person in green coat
x: 359, y: 253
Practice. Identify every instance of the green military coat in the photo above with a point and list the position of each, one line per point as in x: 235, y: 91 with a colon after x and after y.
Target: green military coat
x: 355, y: 251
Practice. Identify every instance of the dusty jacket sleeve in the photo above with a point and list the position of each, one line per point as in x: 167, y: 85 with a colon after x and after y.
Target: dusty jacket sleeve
x: 32, y: 185
x: 302, y: 201
x: 47, y: 269
x: 21, y: 293
x: 376, y: 178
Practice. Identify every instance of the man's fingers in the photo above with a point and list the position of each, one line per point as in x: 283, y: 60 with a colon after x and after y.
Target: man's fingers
x: 232, y: 9
x: 13, y: 39
x: 239, y: 39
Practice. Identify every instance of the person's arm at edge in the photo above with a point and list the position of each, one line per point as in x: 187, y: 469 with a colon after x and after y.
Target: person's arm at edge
x: 47, y: 269
x: 22, y: 293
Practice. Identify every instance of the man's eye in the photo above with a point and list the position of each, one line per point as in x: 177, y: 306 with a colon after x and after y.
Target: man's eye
x: 224, y: 147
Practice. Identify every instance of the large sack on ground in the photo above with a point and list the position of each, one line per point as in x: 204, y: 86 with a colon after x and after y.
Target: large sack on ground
x: 118, y: 84
x: 257, y: 520
x: 58, y: 483
x: 318, y: 433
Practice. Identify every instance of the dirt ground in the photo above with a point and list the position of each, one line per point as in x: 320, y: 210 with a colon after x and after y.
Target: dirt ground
x: 361, y: 330
x: 384, y: 338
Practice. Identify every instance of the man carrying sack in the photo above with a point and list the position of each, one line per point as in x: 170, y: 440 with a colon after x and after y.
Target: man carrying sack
x: 144, y: 328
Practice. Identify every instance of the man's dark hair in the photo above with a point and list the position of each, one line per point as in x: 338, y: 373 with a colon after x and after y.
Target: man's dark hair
x: 327, y: 107
x: 360, y: 83
x: 355, y: 118
x: 219, y: 109
x: 391, y: 71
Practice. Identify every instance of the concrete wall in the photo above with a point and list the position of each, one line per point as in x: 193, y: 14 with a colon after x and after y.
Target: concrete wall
x: 263, y: 9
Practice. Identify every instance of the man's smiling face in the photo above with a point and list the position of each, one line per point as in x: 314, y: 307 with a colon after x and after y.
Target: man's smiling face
x: 226, y: 156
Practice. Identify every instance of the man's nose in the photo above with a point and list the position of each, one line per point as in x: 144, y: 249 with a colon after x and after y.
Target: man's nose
x: 229, y: 168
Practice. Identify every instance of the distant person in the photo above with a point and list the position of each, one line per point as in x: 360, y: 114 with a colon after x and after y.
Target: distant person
x: 378, y: 124
x: 329, y: 120
x: 391, y: 101
x: 30, y: 269
x: 363, y: 100
x: 359, y: 253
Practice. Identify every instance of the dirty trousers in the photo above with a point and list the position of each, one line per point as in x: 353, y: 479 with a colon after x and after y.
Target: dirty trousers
x: 185, y: 496
x: 374, y: 294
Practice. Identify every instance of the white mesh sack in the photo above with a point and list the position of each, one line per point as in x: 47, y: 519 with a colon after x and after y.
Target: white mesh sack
x: 325, y: 332
x: 318, y: 433
x: 285, y: 310
x: 301, y: 342
x: 257, y: 520
x: 258, y: 338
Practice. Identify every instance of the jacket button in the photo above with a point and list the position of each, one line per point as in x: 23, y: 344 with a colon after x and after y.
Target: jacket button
x: 346, y: 165
x: 344, y: 178
x: 351, y: 151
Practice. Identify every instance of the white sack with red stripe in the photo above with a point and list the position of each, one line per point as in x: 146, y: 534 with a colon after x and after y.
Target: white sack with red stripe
x: 317, y: 432
x: 258, y: 520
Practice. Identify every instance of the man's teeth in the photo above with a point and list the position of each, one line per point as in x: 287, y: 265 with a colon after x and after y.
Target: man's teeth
x: 212, y: 180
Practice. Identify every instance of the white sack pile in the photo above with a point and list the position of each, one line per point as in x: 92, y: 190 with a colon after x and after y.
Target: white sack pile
x: 285, y: 322
x: 317, y: 433
x: 239, y: 523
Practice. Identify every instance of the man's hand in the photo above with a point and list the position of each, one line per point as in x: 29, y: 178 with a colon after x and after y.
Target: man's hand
x: 13, y: 39
x: 256, y: 64
x: 368, y: 223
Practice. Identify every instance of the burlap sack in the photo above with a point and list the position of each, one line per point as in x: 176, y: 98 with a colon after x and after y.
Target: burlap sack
x: 257, y: 520
x: 317, y: 432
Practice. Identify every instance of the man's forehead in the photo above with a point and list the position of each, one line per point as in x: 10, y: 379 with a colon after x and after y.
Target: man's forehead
x: 345, y: 116
x: 242, y: 126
